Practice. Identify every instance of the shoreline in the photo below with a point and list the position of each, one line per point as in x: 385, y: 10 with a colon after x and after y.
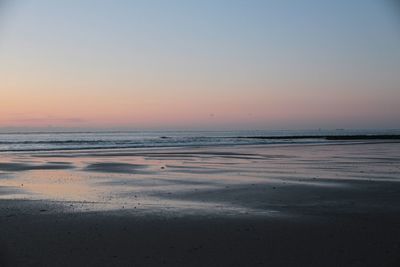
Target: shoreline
x: 329, y: 137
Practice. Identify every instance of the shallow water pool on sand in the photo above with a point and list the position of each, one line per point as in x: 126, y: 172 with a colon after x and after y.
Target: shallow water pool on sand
x: 239, y: 180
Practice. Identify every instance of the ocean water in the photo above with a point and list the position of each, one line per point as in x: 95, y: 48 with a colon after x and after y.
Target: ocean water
x: 48, y: 141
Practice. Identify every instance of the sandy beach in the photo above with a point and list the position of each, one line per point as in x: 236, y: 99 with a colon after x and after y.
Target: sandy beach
x: 251, y: 205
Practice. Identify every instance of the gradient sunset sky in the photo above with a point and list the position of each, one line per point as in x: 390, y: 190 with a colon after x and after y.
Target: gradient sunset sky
x: 200, y: 64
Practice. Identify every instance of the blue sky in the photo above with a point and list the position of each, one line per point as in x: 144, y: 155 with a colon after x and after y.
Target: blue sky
x: 158, y: 64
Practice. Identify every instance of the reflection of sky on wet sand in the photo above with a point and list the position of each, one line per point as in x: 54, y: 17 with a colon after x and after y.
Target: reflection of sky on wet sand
x: 50, y: 184
x: 173, y: 179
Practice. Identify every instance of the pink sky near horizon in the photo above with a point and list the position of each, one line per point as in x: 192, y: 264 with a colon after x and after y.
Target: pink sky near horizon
x: 168, y: 109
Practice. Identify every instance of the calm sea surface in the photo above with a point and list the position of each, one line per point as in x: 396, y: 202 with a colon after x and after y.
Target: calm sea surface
x: 46, y: 141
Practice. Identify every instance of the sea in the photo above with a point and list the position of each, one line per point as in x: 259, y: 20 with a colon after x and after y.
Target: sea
x: 91, y: 140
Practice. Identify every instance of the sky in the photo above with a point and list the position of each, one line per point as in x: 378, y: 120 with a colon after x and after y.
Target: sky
x: 210, y: 64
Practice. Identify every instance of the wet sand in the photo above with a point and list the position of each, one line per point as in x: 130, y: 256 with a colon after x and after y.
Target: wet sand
x: 299, y: 205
